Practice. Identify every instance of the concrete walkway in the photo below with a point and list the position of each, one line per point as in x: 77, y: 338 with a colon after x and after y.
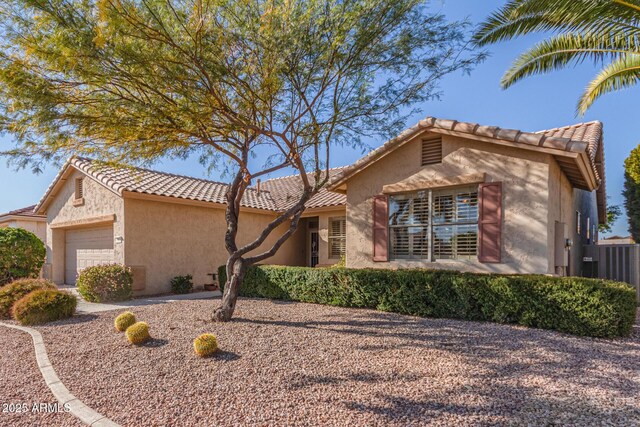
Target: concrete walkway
x: 93, y: 307
x: 64, y: 396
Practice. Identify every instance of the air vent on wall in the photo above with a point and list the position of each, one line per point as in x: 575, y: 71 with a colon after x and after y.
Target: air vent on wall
x: 431, y: 151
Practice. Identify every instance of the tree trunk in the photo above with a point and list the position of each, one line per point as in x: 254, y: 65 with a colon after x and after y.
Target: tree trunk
x: 235, y: 276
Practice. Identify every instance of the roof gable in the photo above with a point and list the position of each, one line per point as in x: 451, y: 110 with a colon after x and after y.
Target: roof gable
x: 577, y: 148
x: 275, y: 195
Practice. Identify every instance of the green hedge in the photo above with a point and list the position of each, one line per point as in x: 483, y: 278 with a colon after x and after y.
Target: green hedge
x: 44, y: 305
x: 12, y: 292
x: 579, y: 306
x: 22, y: 254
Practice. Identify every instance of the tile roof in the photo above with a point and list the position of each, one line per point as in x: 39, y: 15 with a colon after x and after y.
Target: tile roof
x: 276, y: 195
x: 146, y: 181
x: 592, y: 133
x: 287, y: 189
x: 583, y: 138
x: 564, y: 139
x: 26, y: 211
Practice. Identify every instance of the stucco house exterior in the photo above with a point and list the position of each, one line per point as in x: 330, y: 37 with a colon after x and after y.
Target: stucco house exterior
x: 456, y: 195
x: 443, y: 194
x: 27, y: 219
x: 164, y: 225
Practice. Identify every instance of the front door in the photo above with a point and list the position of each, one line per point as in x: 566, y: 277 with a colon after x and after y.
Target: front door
x: 314, y: 248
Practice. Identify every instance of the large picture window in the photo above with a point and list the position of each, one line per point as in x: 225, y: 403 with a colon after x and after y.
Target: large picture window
x: 434, y: 224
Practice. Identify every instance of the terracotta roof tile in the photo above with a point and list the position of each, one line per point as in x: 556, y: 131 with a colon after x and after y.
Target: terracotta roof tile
x: 145, y: 181
x: 582, y: 138
x: 276, y: 194
x: 286, y: 190
x: 26, y: 211
x: 575, y: 138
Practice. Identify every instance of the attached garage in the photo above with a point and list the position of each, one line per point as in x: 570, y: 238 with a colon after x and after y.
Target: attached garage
x: 87, y: 247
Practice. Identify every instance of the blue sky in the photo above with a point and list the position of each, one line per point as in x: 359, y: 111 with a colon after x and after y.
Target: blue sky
x: 536, y: 103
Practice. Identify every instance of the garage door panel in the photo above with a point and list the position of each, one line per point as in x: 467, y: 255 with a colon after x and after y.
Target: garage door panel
x: 87, y: 248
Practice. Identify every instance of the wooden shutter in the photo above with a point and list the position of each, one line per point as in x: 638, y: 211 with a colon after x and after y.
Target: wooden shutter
x: 337, y: 237
x: 380, y: 229
x: 431, y: 151
x: 490, y: 222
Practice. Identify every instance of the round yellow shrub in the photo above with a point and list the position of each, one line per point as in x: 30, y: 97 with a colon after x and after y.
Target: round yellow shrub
x: 205, y: 345
x: 138, y: 333
x: 124, y: 320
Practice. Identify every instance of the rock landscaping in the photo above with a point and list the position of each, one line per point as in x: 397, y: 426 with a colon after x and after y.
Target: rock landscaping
x: 21, y: 383
x: 285, y: 363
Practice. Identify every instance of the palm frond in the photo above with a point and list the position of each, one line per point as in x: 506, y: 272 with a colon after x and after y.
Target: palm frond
x: 631, y: 4
x: 520, y: 17
x: 559, y: 51
x: 620, y: 74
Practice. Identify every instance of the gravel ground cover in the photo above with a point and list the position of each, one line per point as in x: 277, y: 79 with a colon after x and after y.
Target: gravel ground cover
x: 22, y: 385
x: 302, y: 364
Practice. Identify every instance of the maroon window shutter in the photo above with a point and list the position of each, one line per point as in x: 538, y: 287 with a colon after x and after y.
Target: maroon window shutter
x: 490, y: 222
x: 380, y: 230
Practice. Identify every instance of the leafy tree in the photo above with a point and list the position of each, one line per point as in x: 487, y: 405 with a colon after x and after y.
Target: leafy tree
x: 232, y: 81
x: 22, y: 254
x: 613, y: 213
x: 632, y: 192
x: 603, y: 31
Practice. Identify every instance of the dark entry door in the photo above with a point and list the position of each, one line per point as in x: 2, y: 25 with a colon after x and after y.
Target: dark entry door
x: 314, y: 248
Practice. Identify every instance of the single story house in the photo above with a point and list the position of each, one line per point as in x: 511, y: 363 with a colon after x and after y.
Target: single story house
x: 164, y: 225
x: 443, y: 194
x: 27, y: 219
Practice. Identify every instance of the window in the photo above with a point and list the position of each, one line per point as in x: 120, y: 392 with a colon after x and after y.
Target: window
x: 455, y: 225
x: 79, y: 189
x: 337, y: 237
x: 434, y: 224
x: 431, y: 151
x: 409, y: 225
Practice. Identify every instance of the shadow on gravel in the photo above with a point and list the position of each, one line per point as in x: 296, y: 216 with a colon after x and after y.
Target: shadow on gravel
x: 485, y: 344
x: 79, y: 318
x: 154, y: 342
x: 402, y: 409
x: 298, y: 381
x: 226, y: 356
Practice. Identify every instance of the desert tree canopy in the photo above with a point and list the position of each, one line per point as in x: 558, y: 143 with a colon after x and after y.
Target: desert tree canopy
x: 249, y: 86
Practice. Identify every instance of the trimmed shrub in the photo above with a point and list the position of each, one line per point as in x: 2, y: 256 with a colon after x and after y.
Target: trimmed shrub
x: 182, y: 284
x: 580, y: 306
x: 138, y: 333
x: 44, y: 305
x: 205, y: 345
x: 21, y: 254
x: 105, y: 283
x: 124, y: 320
x: 12, y: 292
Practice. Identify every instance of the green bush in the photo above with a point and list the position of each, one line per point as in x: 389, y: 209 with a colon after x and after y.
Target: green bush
x: 579, y: 306
x: 12, y: 292
x: 44, y: 305
x: 105, y: 283
x: 21, y: 254
x: 182, y: 284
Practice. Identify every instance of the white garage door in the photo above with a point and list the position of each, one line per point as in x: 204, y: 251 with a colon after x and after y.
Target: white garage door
x: 85, y: 248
